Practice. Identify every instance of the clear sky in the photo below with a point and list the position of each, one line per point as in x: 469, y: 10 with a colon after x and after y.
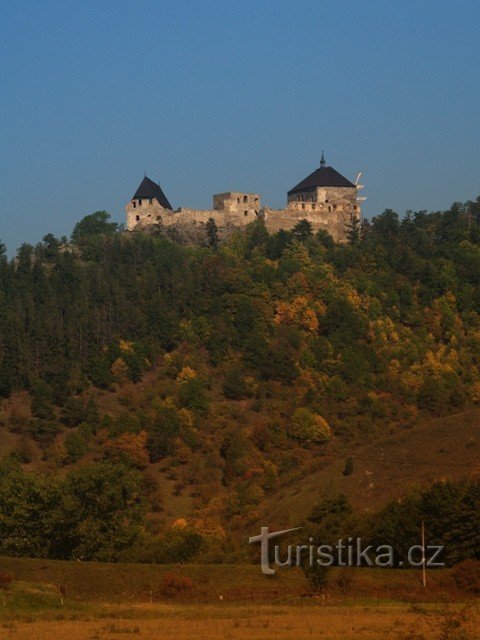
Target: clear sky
x: 209, y: 96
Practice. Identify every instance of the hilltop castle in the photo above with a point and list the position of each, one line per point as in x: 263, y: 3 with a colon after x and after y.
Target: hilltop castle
x: 325, y: 198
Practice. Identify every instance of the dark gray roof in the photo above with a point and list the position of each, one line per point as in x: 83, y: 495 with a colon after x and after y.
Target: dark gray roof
x: 322, y: 177
x: 150, y: 189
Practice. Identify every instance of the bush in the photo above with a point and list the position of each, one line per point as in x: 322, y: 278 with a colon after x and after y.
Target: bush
x: 466, y: 575
x: 75, y: 446
x: 43, y: 431
x: 348, y: 467
x: 308, y: 426
x: 192, y: 396
x: 5, y: 580
x: 174, y: 585
x: 234, y: 385
x: 42, y: 401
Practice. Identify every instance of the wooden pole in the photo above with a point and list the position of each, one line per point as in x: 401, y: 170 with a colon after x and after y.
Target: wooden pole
x: 424, y: 565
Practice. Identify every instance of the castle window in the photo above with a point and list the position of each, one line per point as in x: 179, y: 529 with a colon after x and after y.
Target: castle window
x: 134, y: 204
x: 354, y: 207
x: 238, y: 200
x: 245, y: 213
x: 139, y: 202
x: 313, y: 206
x: 245, y: 198
x: 303, y: 205
x: 329, y: 208
x: 137, y: 218
x: 256, y: 199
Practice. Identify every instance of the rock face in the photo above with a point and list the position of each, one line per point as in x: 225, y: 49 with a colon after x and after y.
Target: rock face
x: 325, y: 198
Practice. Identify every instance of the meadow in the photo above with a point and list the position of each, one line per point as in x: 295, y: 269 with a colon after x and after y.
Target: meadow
x: 101, y: 601
x: 253, y: 622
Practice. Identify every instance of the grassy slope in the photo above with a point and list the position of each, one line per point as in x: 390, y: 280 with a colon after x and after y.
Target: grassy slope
x: 132, y: 583
x: 386, y: 468
x: 432, y: 450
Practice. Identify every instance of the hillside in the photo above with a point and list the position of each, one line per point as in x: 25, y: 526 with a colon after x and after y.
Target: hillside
x: 147, y: 385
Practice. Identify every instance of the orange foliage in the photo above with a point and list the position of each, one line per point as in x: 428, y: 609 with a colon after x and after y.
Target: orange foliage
x: 133, y: 445
x: 297, y: 312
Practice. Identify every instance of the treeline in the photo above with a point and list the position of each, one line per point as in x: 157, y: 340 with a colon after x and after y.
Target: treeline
x: 449, y: 511
x: 265, y: 348
x: 389, y: 321
x: 98, y: 512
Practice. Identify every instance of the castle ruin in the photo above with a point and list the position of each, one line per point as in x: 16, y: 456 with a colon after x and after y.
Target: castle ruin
x: 325, y: 198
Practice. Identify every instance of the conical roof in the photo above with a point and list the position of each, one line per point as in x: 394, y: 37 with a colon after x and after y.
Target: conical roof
x: 150, y: 189
x: 322, y: 177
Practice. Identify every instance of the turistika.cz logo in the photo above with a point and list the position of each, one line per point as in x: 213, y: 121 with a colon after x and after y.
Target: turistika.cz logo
x: 350, y: 552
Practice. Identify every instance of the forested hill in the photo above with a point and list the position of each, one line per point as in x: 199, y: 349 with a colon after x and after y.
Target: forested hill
x: 224, y: 368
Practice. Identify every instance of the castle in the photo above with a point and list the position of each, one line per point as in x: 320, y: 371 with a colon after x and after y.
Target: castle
x: 325, y: 198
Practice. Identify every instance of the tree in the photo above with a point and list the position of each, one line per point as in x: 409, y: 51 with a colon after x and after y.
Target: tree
x: 42, y: 400
x: 100, y: 512
x: 302, y: 230
x: 328, y: 522
x: 234, y: 385
x: 348, y: 470
x: 75, y: 446
x: 161, y: 432
x: 51, y: 246
x: 354, y: 231
x: 212, y: 234
x: 308, y: 426
x: 191, y: 395
x: 256, y: 236
x: 96, y: 223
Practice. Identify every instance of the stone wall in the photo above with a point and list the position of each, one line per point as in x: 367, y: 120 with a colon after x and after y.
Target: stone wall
x: 230, y: 209
x: 330, y: 209
x: 336, y: 224
x: 145, y: 214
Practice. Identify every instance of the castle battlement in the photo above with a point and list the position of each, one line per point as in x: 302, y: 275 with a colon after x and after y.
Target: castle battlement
x: 325, y: 198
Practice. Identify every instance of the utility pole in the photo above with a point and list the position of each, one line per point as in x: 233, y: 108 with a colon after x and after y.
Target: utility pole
x: 424, y: 565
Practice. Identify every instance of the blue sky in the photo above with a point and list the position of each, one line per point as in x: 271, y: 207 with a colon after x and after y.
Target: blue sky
x: 236, y: 95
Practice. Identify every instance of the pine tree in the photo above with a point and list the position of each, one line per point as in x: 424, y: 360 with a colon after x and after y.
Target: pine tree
x: 212, y: 234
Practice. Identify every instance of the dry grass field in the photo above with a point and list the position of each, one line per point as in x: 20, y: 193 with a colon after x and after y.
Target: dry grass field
x: 270, y: 622
x: 114, y: 601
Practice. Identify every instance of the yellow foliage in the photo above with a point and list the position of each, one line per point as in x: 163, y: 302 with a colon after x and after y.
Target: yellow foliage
x: 324, y: 432
x: 132, y: 445
x: 384, y: 331
x: 186, y: 330
x: 125, y: 346
x: 297, y: 312
x: 475, y: 392
x: 186, y: 419
x: 209, y: 528
x: 119, y: 370
x: 181, y: 523
x: 186, y: 374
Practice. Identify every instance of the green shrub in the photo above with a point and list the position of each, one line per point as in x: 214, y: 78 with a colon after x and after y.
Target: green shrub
x: 308, y: 426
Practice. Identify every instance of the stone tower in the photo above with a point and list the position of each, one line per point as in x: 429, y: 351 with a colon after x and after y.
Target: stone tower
x: 325, y: 198
x: 329, y: 198
x: 148, y: 206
